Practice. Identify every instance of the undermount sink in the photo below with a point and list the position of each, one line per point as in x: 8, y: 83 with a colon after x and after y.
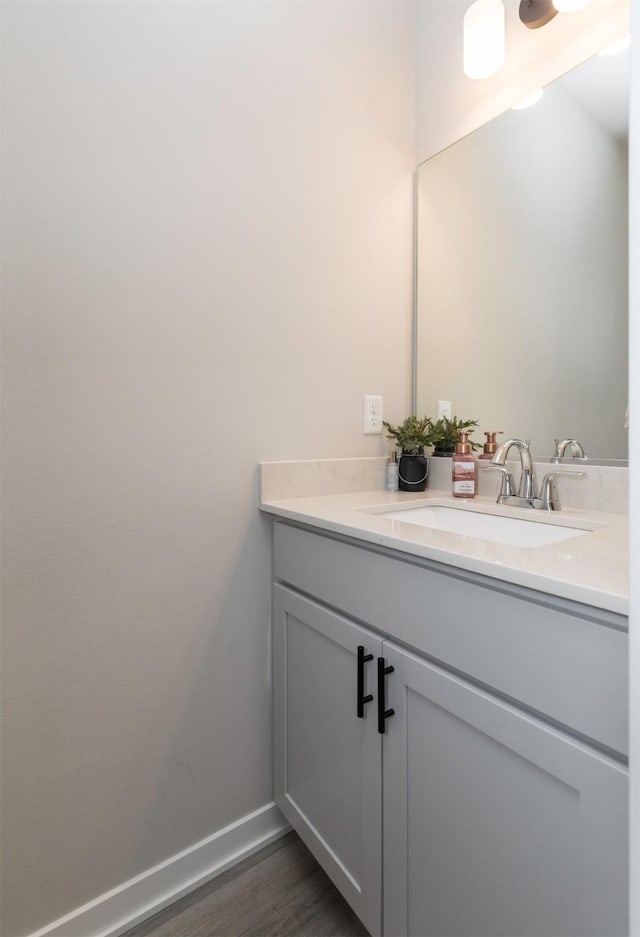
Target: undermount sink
x: 512, y: 531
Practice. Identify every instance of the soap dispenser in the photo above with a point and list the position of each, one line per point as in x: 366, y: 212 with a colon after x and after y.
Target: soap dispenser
x: 490, y: 446
x: 464, y: 468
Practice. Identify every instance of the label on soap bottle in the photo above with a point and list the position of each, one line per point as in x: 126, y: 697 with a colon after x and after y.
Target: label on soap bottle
x: 464, y: 479
x: 464, y: 488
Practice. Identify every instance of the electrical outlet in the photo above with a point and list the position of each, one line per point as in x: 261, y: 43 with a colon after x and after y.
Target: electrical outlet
x: 372, y: 415
x: 444, y: 409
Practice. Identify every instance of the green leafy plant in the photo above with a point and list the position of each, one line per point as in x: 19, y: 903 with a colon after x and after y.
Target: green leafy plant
x: 444, y: 433
x: 412, y: 435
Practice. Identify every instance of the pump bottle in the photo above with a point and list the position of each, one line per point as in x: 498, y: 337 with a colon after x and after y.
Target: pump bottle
x: 490, y: 446
x: 464, y: 468
x: 392, y: 472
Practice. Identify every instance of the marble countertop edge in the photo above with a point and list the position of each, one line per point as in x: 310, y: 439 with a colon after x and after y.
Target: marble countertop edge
x: 590, y: 569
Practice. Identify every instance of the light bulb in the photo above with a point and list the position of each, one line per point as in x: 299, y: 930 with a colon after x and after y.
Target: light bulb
x: 570, y: 6
x: 483, y: 35
x: 529, y: 100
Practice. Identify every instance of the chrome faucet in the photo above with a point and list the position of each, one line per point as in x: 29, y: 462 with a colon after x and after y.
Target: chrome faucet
x: 527, y: 496
x: 527, y: 486
x: 561, y: 447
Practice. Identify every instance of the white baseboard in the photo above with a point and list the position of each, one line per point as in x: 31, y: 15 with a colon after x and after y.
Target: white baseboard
x: 146, y: 894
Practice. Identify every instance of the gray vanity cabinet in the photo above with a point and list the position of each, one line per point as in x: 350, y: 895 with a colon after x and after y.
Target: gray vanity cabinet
x: 327, y: 775
x: 495, y: 802
x: 495, y: 824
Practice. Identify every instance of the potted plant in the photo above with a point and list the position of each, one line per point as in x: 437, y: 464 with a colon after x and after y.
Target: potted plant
x: 411, y: 437
x: 444, y: 435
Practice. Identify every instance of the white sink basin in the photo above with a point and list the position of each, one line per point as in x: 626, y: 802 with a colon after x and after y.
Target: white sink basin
x: 512, y: 531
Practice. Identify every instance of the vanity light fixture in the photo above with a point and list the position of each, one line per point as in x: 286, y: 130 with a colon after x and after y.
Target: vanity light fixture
x: 530, y: 100
x: 483, y: 38
x: 484, y: 30
x: 536, y: 13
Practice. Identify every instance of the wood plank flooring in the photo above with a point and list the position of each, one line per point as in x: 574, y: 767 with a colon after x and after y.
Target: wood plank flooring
x: 281, y: 891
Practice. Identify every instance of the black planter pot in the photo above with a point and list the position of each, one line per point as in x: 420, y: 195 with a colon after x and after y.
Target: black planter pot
x: 444, y: 453
x: 413, y: 471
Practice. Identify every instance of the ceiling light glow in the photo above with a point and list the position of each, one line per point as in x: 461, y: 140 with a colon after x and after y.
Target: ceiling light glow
x: 530, y: 100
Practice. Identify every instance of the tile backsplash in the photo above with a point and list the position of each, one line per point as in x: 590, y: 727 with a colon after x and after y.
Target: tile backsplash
x: 604, y: 488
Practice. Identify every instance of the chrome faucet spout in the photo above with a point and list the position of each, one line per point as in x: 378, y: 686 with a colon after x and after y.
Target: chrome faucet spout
x: 563, y: 444
x: 527, y: 486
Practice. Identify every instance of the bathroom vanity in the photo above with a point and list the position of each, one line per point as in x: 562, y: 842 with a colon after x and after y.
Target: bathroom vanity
x: 450, y: 717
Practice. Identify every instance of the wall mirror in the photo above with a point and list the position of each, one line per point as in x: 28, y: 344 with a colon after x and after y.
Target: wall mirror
x: 522, y: 259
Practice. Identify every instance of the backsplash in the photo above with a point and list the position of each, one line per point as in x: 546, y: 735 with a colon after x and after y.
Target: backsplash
x: 306, y: 479
x: 604, y: 488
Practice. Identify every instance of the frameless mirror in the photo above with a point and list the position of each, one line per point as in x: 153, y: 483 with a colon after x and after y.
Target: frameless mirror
x: 522, y: 268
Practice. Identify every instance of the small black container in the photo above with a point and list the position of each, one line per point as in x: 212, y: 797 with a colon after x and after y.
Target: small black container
x: 413, y: 472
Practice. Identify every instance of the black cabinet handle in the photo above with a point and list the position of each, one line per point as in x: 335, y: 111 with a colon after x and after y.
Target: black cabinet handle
x: 383, y: 713
x: 362, y: 699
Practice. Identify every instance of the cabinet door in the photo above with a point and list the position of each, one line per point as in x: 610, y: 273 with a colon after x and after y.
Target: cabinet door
x: 495, y: 825
x: 327, y: 770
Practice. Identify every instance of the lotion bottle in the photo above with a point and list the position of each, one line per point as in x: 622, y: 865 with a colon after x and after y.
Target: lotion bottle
x: 464, y: 475
x: 392, y: 472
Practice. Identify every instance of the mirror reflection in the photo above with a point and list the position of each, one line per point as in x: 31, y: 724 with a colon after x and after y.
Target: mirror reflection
x: 522, y: 268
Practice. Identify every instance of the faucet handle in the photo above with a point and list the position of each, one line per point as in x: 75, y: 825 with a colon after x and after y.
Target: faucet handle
x: 507, y: 488
x: 548, y: 490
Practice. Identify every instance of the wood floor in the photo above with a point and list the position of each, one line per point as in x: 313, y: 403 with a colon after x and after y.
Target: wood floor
x: 279, y: 892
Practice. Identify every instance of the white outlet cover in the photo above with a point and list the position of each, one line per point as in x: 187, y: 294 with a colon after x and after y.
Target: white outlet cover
x: 444, y: 409
x: 372, y: 415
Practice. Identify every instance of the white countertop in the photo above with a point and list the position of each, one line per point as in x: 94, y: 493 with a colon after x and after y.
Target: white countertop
x: 590, y: 568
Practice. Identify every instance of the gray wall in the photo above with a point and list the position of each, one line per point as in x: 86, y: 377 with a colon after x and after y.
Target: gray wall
x: 207, y: 261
